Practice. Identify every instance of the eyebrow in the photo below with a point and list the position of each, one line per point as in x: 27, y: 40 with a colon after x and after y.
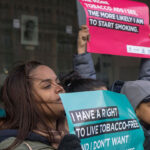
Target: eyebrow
x: 44, y: 80
x: 47, y: 80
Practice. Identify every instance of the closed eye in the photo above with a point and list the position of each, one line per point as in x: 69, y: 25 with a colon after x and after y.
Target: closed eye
x: 47, y: 86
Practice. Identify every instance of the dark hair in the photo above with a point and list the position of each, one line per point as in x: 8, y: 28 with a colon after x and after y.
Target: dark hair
x: 145, y: 100
x: 22, y: 113
x: 72, y: 82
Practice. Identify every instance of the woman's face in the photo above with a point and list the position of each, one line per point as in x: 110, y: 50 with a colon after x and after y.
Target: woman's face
x: 143, y: 112
x: 45, y: 85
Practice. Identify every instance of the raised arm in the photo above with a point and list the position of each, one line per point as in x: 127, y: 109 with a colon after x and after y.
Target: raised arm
x: 83, y: 63
x: 144, y: 73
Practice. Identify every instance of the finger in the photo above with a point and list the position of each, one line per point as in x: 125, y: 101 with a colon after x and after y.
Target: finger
x: 84, y: 27
x: 84, y: 31
x: 84, y: 38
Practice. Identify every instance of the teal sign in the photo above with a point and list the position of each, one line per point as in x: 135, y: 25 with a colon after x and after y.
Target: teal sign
x: 103, y: 120
x: 2, y: 113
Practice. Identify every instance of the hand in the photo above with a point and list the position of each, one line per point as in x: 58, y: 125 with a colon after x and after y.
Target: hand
x: 83, y: 37
x: 70, y: 142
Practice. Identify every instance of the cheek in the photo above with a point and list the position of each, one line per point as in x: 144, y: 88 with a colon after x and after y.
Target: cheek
x: 53, y: 110
x: 147, y: 114
x: 44, y: 96
x: 144, y: 115
x: 57, y: 108
x: 49, y: 96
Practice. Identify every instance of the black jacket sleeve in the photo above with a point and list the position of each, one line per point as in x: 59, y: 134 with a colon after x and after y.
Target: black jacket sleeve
x: 144, y: 73
x: 70, y: 142
x: 83, y: 64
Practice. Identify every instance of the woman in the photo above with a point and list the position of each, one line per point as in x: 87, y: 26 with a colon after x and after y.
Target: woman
x: 35, y: 117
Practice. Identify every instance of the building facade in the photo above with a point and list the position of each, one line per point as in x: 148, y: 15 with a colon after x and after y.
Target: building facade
x: 43, y: 30
x: 46, y: 30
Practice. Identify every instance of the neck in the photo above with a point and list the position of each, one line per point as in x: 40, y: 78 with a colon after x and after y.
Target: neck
x: 51, y: 124
x: 54, y: 125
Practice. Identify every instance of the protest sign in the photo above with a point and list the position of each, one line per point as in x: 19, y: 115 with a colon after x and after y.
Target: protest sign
x: 2, y: 113
x: 103, y: 120
x: 118, y: 27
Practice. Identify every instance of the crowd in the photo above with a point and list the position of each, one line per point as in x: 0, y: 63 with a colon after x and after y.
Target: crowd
x: 35, y: 117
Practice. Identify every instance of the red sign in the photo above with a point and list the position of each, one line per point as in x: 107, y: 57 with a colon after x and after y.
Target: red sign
x: 118, y: 27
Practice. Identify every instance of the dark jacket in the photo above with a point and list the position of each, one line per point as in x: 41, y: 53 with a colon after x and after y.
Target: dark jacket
x: 144, y: 73
x: 83, y: 64
x: 146, y: 129
x: 32, y: 142
x: 37, y: 142
x: 147, y: 139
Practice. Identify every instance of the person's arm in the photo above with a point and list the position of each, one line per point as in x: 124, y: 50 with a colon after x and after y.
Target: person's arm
x: 144, y: 73
x: 83, y: 62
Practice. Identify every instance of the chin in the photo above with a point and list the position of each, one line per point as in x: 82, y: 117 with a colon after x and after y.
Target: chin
x: 62, y: 113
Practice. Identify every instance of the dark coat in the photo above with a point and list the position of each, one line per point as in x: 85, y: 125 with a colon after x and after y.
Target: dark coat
x: 83, y: 64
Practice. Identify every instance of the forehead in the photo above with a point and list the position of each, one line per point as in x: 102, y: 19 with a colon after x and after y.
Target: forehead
x: 144, y: 105
x: 43, y: 72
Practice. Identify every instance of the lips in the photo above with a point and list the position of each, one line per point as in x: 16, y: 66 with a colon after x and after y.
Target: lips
x: 59, y: 101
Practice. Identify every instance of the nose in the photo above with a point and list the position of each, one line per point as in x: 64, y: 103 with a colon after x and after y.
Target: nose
x: 59, y: 89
